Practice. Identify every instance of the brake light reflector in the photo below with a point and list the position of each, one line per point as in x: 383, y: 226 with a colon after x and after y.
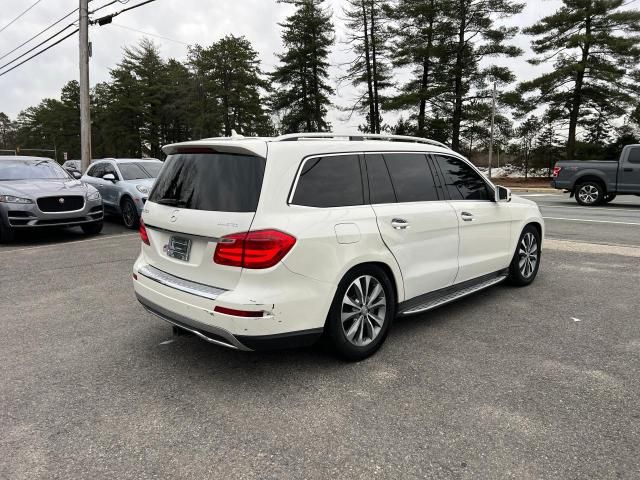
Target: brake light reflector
x: 239, y: 313
x: 556, y: 171
x: 143, y: 233
x: 257, y: 249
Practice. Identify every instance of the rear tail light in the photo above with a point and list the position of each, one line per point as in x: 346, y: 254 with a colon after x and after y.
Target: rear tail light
x: 143, y: 233
x: 556, y: 171
x: 257, y: 249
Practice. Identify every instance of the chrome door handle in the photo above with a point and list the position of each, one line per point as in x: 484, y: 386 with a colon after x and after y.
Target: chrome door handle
x: 399, y: 224
x: 467, y: 217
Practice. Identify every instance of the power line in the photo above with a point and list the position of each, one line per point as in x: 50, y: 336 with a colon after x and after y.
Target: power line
x: 39, y: 53
x: 39, y: 33
x: 108, y: 5
x: 37, y: 46
x: 149, y: 34
x: 19, y: 16
x: 108, y: 18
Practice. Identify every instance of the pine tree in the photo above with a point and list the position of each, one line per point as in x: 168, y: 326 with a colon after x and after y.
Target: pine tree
x: 477, y: 38
x: 419, y: 36
x: 596, y: 46
x: 7, y: 132
x: 365, y: 22
x: 231, y: 72
x: 302, y: 93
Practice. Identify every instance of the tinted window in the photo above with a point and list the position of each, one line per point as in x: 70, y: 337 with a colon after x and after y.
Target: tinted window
x: 330, y: 182
x: 380, y: 185
x: 108, y: 168
x: 634, y: 155
x: 210, y: 181
x: 462, y: 181
x: 31, y: 170
x: 411, y: 177
x: 135, y: 171
x: 96, y: 171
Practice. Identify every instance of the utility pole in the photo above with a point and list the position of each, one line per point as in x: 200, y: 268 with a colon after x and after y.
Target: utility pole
x: 85, y: 112
x: 493, y: 118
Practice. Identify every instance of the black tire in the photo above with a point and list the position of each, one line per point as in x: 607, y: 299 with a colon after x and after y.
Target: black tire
x: 370, y: 339
x: 590, y: 193
x: 519, y: 274
x: 93, y: 228
x: 609, y: 197
x: 130, y: 214
x: 7, y: 233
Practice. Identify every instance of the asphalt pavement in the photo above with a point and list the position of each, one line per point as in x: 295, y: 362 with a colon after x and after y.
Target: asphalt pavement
x: 535, y: 382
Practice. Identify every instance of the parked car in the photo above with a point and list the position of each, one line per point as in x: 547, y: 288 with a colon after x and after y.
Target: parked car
x: 124, y: 185
x: 259, y: 243
x: 594, y: 182
x: 73, y: 167
x: 37, y: 192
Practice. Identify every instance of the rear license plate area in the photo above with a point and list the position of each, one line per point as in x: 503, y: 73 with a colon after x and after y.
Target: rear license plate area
x: 178, y: 248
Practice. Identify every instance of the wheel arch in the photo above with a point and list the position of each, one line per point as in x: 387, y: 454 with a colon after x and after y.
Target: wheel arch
x: 589, y: 177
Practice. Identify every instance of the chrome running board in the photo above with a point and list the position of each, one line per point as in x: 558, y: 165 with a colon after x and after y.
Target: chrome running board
x: 450, y: 296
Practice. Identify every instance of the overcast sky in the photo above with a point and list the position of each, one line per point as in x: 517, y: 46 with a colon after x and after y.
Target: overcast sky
x: 186, y: 21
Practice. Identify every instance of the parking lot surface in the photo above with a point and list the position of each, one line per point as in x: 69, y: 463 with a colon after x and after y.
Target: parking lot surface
x: 536, y: 382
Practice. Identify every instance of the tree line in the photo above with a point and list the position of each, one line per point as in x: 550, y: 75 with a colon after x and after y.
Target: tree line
x: 419, y: 67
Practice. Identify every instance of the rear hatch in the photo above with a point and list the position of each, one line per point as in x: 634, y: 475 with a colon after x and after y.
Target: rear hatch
x: 200, y: 196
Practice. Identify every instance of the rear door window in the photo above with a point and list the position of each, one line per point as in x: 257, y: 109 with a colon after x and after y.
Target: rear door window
x: 380, y: 186
x: 411, y: 177
x: 634, y: 155
x: 218, y: 182
x: 333, y: 181
x: 462, y: 181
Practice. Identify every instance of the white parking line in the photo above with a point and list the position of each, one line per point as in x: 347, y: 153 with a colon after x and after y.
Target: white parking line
x: 590, y: 221
x: 39, y: 247
x: 590, y: 208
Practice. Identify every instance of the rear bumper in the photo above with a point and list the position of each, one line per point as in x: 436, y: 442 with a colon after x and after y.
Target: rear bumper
x: 294, y: 308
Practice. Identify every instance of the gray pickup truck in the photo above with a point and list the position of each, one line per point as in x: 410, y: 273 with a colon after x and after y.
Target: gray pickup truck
x: 594, y: 182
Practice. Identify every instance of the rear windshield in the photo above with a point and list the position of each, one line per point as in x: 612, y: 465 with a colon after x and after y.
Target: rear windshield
x: 31, y: 170
x: 136, y: 171
x: 210, y: 181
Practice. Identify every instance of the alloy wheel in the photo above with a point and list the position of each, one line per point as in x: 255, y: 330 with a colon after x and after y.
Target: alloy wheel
x: 129, y: 214
x: 528, y: 255
x: 588, y: 194
x: 364, y: 309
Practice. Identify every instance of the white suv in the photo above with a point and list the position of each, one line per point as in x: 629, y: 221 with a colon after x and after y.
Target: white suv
x: 258, y: 243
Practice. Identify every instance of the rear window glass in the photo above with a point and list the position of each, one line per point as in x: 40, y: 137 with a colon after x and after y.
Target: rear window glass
x: 411, y: 177
x: 210, y: 181
x: 333, y: 181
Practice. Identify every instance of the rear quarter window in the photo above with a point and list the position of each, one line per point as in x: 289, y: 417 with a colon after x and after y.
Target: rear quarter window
x: 334, y: 181
x: 213, y: 182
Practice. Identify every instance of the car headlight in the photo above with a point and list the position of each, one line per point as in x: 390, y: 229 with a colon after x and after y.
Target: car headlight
x: 143, y: 189
x: 93, y: 195
x: 12, y: 199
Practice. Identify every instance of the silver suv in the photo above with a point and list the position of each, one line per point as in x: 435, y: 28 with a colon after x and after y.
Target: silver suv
x: 124, y: 185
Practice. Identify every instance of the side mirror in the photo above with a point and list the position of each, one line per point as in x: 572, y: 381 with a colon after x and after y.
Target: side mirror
x: 502, y: 194
x: 75, y: 174
x: 109, y: 176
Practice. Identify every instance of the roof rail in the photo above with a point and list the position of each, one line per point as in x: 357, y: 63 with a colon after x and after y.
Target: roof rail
x: 293, y: 137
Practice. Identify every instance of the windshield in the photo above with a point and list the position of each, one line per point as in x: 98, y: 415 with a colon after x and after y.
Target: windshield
x: 135, y: 171
x: 31, y: 170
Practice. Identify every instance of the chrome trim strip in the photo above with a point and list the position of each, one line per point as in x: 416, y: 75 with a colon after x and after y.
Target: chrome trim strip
x: 453, y: 296
x: 168, y: 280
x: 183, y: 234
x: 185, y: 324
